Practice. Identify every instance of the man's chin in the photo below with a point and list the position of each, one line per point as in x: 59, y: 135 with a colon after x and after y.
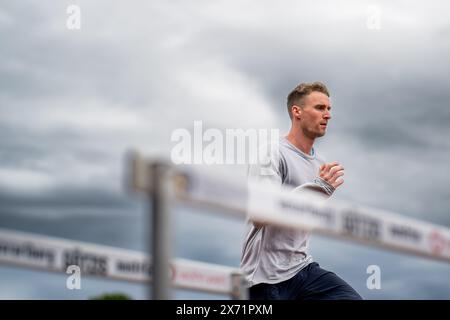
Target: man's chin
x: 320, y: 134
x: 314, y: 134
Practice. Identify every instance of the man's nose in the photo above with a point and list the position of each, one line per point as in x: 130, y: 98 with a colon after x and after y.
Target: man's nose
x: 327, y: 115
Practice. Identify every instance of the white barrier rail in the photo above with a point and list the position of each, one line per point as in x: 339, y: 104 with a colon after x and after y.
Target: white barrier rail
x: 279, y: 206
x: 56, y: 254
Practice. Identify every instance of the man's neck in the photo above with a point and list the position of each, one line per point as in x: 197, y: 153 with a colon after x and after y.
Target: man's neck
x: 298, y: 139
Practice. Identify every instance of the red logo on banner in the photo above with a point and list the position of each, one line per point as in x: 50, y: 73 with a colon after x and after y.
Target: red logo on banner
x: 437, y: 242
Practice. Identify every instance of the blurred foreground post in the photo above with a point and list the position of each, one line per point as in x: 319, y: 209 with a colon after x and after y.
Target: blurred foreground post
x: 154, y: 178
x: 161, y: 197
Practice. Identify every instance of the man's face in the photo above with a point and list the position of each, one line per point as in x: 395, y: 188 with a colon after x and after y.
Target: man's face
x: 313, y: 117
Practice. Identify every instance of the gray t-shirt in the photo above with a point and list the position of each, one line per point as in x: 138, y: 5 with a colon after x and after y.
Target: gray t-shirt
x: 272, y: 254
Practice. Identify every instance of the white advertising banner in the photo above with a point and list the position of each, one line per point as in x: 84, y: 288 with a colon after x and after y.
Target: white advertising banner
x: 54, y: 254
x: 264, y: 202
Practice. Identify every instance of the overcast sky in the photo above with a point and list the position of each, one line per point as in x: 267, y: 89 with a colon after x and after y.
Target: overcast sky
x: 72, y: 102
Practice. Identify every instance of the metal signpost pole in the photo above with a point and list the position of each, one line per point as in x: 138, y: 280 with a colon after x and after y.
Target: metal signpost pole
x: 161, y: 194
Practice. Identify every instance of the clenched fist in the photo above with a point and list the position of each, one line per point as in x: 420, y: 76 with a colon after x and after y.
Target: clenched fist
x: 332, y: 173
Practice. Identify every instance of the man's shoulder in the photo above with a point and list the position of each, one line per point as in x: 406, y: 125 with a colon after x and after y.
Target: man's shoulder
x: 270, y: 150
x: 269, y: 161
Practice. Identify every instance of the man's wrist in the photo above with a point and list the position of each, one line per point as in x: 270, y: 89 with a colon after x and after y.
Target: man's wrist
x: 329, y: 189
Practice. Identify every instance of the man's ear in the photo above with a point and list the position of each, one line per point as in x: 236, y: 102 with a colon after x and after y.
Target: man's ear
x: 296, y: 111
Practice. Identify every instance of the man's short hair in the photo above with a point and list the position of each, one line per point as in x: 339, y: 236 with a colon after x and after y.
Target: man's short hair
x: 301, y: 91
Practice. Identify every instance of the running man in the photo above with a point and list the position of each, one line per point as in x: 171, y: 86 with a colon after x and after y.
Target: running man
x: 275, y: 261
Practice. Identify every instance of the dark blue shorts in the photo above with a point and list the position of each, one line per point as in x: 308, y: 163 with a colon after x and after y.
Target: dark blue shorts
x: 310, y: 283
